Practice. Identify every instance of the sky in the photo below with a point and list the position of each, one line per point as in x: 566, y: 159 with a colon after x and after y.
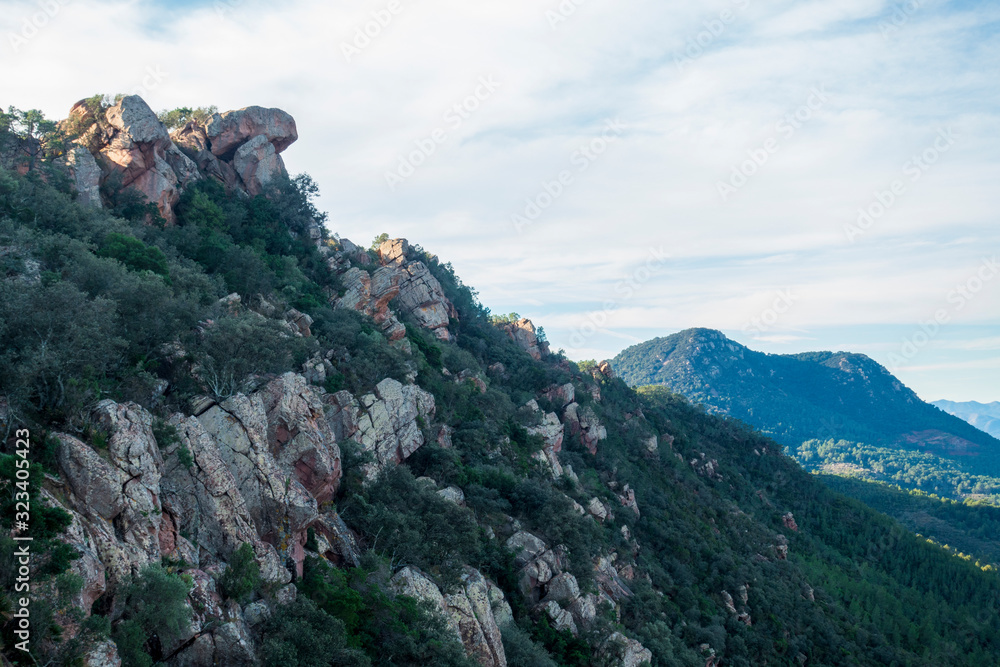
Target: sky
x: 809, y: 175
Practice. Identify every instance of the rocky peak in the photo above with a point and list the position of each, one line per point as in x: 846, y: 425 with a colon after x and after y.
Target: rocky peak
x: 127, y: 141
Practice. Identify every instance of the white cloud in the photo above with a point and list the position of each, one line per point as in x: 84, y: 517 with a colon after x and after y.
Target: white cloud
x: 657, y: 186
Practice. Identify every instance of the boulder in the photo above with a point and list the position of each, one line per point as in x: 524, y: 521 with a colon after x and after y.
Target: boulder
x: 140, y: 150
x: 388, y: 422
x: 562, y: 588
x: 343, y: 547
x: 561, y: 619
x: 102, y: 654
x: 227, y: 132
x: 523, y: 333
x: 258, y: 164
x: 421, y: 295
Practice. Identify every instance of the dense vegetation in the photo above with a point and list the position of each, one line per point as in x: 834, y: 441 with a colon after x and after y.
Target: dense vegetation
x: 92, y: 303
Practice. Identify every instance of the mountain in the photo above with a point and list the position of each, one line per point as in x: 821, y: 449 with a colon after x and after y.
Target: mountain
x: 798, y: 397
x: 984, y: 416
x: 236, y: 439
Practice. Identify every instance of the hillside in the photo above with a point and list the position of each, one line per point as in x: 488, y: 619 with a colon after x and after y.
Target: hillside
x: 246, y: 441
x: 984, y: 416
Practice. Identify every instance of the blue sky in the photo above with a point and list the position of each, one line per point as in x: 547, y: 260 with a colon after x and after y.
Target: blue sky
x: 749, y: 136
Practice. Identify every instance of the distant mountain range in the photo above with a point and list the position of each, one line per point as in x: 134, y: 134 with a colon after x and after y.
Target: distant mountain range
x: 798, y: 397
x: 984, y: 416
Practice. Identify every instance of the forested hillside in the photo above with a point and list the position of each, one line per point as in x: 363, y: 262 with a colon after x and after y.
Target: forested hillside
x: 253, y: 442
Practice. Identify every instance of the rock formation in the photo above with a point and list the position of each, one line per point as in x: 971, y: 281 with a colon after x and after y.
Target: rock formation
x: 126, y: 146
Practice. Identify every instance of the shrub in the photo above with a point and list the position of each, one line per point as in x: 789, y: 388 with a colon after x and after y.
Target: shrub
x: 154, y: 614
x: 302, y: 635
x: 242, y: 576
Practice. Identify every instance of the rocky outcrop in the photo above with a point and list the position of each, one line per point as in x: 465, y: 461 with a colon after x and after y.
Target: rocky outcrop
x: 621, y: 651
x: 523, y: 333
x: 551, y: 432
x: 277, y: 501
x: 126, y: 146
x: 370, y: 293
x: 583, y: 422
x: 134, y: 148
x: 420, y: 293
x: 118, y: 497
x: 788, y: 521
x: 472, y: 612
x: 300, y: 436
x: 336, y: 542
x: 205, y: 502
x: 86, y: 176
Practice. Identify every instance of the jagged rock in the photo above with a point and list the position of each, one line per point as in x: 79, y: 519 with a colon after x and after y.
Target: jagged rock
x: 472, y: 610
x: 585, y: 423
x: 788, y: 520
x: 562, y: 588
x: 627, y: 499
x: 343, y: 546
x: 279, y: 504
x: 393, y: 252
x: 606, y: 370
x: 301, y: 437
x: 443, y: 437
x: 421, y: 295
x: 86, y: 175
x: 651, y: 444
x: 523, y: 333
x: 561, y: 395
x: 744, y: 592
x: 258, y: 164
x: 141, y: 151
x: 781, y: 547
x: 597, y: 509
x: 551, y: 432
x: 206, y: 502
x: 300, y: 321
x: 88, y: 566
x: 526, y: 547
x: 727, y: 600
x: 622, y: 651
x: 498, y: 369
x: 584, y: 610
x: 256, y: 613
x: 561, y: 619
x: 388, y: 424
x: 371, y: 294
x: 102, y: 654
x: 469, y: 613
x: 609, y: 581
x: 228, y: 131
x: 117, y: 497
x: 453, y: 494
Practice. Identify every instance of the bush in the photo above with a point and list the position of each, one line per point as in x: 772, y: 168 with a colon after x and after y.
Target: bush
x: 154, y: 614
x: 242, y: 576
x: 134, y: 254
x: 302, y: 635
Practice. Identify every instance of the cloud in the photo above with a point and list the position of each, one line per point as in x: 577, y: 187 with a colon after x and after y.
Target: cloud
x: 688, y: 127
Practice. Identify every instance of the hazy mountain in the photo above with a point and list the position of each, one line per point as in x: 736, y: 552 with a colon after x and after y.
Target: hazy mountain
x: 984, y: 416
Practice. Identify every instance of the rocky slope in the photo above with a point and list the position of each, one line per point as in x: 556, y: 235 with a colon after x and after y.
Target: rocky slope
x: 409, y: 459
